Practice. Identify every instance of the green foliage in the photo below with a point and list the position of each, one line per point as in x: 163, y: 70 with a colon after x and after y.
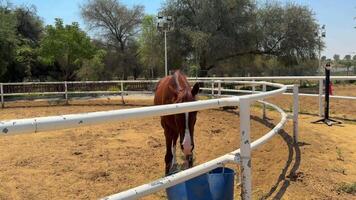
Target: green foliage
x: 117, y: 26
x: 8, y: 40
x: 67, y: 46
x: 336, y: 57
x: 210, y: 37
x: 347, y: 188
x: 150, y: 48
x: 242, y: 32
x: 93, y: 69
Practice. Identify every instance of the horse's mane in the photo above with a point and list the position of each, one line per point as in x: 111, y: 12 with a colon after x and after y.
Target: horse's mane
x: 181, y: 86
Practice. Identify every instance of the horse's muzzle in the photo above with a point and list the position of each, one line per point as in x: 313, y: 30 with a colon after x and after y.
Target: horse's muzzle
x: 187, y: 143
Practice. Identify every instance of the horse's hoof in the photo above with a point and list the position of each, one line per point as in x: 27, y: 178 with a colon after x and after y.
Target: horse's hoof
x: 173, y: 170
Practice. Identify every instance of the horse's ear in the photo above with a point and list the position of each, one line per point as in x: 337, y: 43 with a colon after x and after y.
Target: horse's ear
x: 195, y: 89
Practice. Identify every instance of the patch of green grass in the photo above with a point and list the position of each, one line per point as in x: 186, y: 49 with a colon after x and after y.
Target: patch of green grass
x: 349, y: 188
x: 339, y: 170
x: 339, y: 154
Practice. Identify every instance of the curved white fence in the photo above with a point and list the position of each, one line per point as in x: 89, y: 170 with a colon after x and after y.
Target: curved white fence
x: 241, y: 156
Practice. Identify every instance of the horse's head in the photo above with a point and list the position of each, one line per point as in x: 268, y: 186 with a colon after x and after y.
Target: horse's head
x: 186, y: 123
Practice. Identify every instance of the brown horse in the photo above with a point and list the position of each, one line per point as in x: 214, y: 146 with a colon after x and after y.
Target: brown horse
x: 175, y: 89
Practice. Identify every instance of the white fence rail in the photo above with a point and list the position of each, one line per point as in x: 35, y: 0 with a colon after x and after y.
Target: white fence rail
x: 241, y: 156
x: 215, y: 83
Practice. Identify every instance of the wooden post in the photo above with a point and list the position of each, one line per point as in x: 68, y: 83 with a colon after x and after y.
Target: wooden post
x: 219, y: 88
x: 122, y: 92
x: 212, y: 88
x: 295, y: 113
x: 2, y: 95
x: 66, y: 91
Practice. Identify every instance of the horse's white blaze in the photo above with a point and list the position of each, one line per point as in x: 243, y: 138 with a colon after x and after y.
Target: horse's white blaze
x: 187, y: 141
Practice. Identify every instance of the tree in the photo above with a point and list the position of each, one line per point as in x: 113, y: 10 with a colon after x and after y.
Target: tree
x: 8, y: 39
x: 117, y: 26
x: 93, y: 69
x: 347, y: 62
x: 29, y: 24
x: 151, y: 47
x: 29, y: 28
x: 287, y: 32
x: 66, y: 46
x: 354, y: 58
x: 336, y: 57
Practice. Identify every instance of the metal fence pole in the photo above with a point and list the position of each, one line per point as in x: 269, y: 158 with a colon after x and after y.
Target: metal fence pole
x: 219, y: 88
x: 264, y: 105
x: 212, y: 88
x: 2, y: 95
x: 321, y: 85
x: 122, y: 92
x: 66, y: 91
x: 295, y: 113
x: 253, y: 87
x: 245, y: 147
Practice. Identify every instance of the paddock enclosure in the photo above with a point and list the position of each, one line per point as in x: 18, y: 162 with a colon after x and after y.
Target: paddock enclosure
x: 96, y: 161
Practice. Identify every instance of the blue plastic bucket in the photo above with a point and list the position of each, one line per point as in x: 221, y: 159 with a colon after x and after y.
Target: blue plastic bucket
x: 218, y: 184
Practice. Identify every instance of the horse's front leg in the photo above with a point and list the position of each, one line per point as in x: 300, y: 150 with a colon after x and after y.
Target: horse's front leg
x: 188, y: 161
x: 169, y: 155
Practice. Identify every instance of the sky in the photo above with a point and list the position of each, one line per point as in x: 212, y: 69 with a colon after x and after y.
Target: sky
x: 337, y: 15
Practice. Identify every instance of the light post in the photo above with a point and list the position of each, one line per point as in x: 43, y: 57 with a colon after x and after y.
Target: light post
x: 321, y: 34
x: 165, y: 24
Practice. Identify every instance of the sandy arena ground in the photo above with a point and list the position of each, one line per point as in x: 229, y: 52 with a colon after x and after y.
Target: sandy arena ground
x: 340, y: 109
x: 96, y: 161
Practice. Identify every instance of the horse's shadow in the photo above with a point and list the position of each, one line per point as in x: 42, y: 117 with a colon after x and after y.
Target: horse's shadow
x: 293, y: 161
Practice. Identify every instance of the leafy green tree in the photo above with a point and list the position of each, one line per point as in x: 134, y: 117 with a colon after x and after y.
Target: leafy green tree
x: 93, y: 69
x: 29, y: 25
x: 347, y: 62
x: 150, y: 49
x: 66, y: 46
x: 117, y: 26
x: 8, y: 39
x: 336, y: 57
x: 21, y: 29
x: 215, y: 39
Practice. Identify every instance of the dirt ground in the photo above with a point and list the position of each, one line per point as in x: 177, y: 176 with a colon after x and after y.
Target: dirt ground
x: 339, y: 109
x: 96, y: 161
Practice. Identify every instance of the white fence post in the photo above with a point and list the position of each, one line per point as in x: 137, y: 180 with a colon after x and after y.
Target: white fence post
x: 321, y: 85
x: 66, y: 91
x: 122, y: 92
x: 253, y: 87
x: 2, y: 95
x: 295, y: 113
x: 264, y: 105
x: 219, y: 88
x: 245, y: 147
x: 212, y: 88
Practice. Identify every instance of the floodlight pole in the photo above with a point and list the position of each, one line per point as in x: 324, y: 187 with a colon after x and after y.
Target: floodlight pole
x: 164, y: 25
x: 321, y: 34
x: 165, y: 54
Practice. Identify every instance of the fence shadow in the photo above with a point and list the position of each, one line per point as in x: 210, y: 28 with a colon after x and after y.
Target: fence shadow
x: 293, y: 161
